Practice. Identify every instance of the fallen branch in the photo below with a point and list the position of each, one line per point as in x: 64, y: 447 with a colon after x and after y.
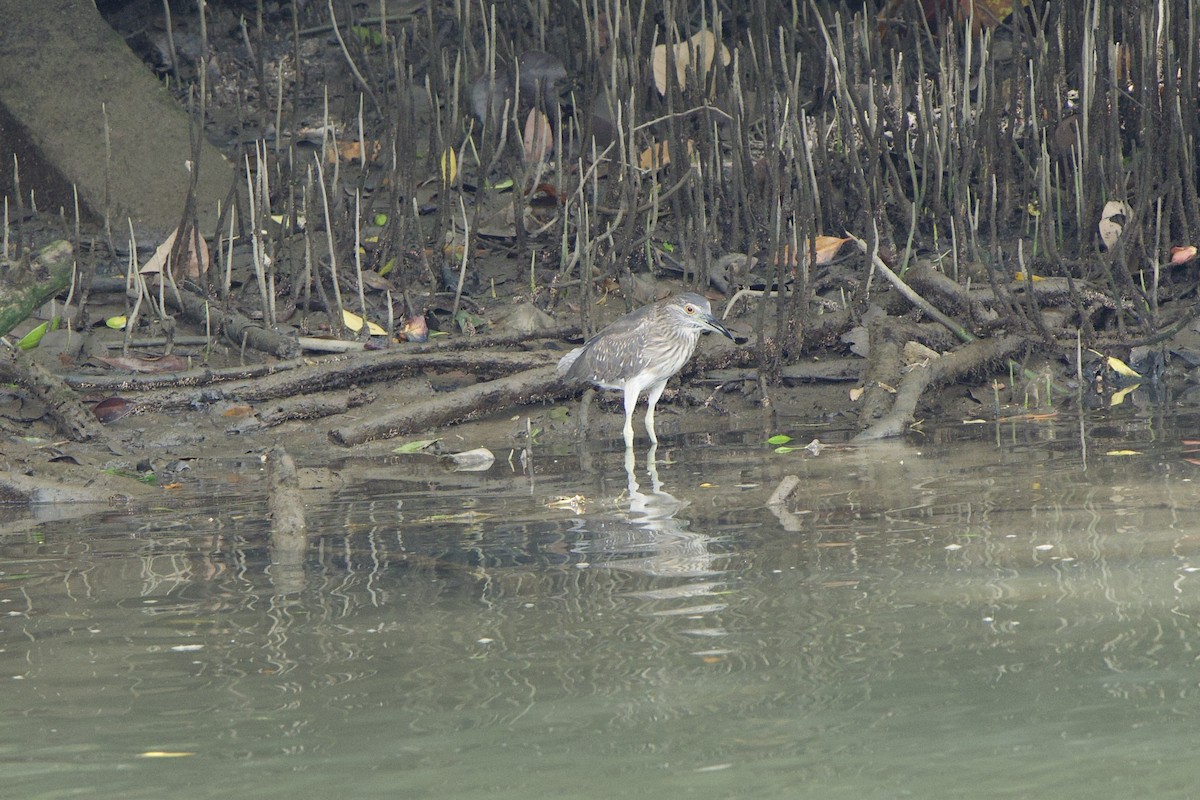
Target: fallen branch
x: 910, y: 294
x: 312, y: 406
x: 324, y: 376
x: 407, y: 357
x: 237, y: 328
x: 481, y: 399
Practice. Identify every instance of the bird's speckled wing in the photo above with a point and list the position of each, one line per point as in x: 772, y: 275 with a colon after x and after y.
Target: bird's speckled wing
x: 612, y: 355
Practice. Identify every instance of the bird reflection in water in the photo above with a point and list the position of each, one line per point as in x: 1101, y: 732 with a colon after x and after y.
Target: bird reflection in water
x: 651, y: 539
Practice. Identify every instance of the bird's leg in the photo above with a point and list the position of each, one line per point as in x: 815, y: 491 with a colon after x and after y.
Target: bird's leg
x: 631, y: 398
x: 652, y: 396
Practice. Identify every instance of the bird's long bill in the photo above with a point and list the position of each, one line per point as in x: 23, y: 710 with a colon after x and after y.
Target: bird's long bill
x: 714, y: 325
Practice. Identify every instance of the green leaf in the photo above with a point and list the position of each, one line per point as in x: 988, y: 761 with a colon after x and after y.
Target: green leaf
x: 414, y: 447
x: 785, y: 449
x: 31, y: 339
x: 368, y: 36
x: 779, y: 438
x: 144, y: 477
x: 380, y: 219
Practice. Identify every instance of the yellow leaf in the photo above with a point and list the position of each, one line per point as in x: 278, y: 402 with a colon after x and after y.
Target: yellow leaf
x: 354, y: 322
x: 449, y: 166
x: 1121, y: 368
x: 1123, y: 453
x: 1020, y: 276
x: 116, y: 323
x: 1119, y: 397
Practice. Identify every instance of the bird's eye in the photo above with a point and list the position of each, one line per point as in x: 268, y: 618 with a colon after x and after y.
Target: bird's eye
x: 690, y: 309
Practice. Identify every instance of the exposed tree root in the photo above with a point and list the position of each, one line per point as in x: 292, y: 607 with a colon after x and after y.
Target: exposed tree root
x: 71, y: 417
x: 971, y: 357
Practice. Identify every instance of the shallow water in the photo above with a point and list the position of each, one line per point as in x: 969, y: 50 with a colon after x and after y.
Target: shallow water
x: 993, y: 612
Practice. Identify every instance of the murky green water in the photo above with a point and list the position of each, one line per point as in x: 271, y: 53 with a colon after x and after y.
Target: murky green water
x: 994, y: 613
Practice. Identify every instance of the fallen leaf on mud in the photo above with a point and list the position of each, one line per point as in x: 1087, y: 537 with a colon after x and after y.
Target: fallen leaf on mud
x: 1182, y: 255
x: 539, y: 138
x: 698, y: 52
x: 116, y: 323
x: 1123, y: 453
x: 351, y: 151
x: 111, y: 409
x: 476, y: 460
x: 856, y: 393
x: 1112, y: 222
x: 354, y: 322
x: 415, y: 329
x: 151, y: 365
x: 376, y: 282
x: 415, y: 446
x: 237, y: 411
x: 34, y: 337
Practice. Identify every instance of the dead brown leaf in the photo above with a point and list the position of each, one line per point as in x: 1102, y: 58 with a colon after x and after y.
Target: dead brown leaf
x: 147, y: 364
x: 196, y: 262
x: 825, y: 247
x: 698, y: 52
x: 539, y: 138
x: 351, y: 151
x: 658, y: 155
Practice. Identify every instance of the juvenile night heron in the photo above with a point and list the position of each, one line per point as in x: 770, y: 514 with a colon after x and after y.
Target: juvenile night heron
x: 640, y: 351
